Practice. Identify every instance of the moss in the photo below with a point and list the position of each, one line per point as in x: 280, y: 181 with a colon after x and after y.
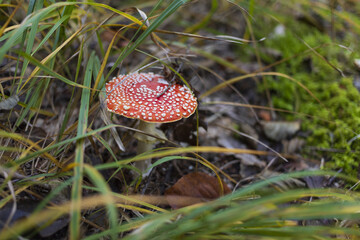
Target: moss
x: 337, y: 120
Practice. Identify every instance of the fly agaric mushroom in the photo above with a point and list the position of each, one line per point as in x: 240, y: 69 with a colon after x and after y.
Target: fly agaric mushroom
x: 141, y: 96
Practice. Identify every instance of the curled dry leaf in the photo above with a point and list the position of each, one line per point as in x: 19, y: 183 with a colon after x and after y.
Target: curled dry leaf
x: 9, y: 103
x: 251, y: 160
x: 293, y: 145
x: 195, y: 187
x: 280, y: 130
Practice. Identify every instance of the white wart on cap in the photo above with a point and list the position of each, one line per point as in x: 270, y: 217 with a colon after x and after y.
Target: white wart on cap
x: 137, y: 97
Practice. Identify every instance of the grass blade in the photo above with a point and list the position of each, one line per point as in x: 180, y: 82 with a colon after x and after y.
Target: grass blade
x: 104, y: 189
x: 79, y: 154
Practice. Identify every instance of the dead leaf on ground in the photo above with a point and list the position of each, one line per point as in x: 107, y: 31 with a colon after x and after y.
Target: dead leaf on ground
x: 24, y: 209
x: 199, y: 186
x: 293, y: 145
x: 285, y: 184
x: 9, y: 103
x: 249, y: 130
x: 251, y: 160
x: 280, y: 130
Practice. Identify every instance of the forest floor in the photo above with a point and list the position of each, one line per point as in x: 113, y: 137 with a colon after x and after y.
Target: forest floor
x: 277, y: 86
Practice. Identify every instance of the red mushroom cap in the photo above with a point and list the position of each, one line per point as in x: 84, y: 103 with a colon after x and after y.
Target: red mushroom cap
x: 136, y: 95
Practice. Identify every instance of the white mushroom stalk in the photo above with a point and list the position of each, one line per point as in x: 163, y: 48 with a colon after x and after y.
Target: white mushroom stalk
x: 137, y: 96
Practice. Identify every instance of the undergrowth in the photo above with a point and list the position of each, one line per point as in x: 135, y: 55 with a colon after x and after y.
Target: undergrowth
x: 64, y: 160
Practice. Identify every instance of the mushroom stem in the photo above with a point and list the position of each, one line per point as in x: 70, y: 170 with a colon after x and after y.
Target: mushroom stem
x: 146, y: 144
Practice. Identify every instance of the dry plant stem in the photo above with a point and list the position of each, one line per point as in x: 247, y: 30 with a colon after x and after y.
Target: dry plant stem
x: 145, y: 144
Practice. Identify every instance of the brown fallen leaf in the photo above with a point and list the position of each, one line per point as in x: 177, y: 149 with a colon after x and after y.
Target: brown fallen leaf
x: 199, y: 186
